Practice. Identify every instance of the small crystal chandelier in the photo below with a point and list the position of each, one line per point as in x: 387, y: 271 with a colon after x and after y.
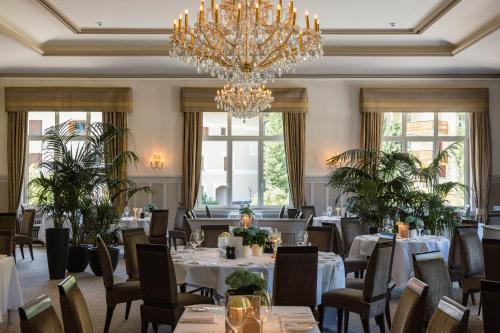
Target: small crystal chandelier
x: 244, y: 102
x: 246, y: 42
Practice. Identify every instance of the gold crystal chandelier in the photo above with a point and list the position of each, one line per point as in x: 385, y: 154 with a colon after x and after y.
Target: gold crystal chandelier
x: 244, y: 102
x: 246, y: 42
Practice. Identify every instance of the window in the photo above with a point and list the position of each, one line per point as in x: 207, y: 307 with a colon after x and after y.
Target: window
x: 38, y: 122
x: 243, y: 161
x: 424, y: 135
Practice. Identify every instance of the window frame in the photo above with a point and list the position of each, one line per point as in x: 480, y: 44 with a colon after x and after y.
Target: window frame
x: 261, y: 138
x: 435, y: 139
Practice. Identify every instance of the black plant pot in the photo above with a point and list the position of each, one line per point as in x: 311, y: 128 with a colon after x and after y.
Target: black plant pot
x: 372, y: 230
x: 78, y: 258
x: 95, y: 263
x: 57, y: 252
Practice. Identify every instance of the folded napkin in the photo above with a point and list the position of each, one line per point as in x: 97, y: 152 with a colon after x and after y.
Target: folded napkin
x: 197, y: 318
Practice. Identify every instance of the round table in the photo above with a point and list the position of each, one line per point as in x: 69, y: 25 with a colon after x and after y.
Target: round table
x: 402, y: 267
x: 207, y: 271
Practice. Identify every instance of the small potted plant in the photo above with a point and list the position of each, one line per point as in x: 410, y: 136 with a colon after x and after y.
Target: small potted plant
x: 258, y: 241
x: 148, y: 208
x: 245, y: 283
x: 246, y: 216
x: 414, y: 224
x: 246, y: 236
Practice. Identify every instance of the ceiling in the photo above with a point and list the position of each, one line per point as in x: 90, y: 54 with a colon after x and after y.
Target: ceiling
x: 130, y: 37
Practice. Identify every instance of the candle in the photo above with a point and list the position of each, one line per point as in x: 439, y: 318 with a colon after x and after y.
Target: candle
x: 212, y: 4
x: 256, y: 12
x: 307, y: 19
x: 403, y: 230
x: 216, y: 14
x: 338, y: 211
x: 278, y: 13
x: 180, y: 22
x: 239, y: 12
x: 186, y: 24
x: 294, y: 15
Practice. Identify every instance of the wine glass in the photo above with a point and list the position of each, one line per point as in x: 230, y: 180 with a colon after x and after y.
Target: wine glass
x: 275, y: 239
x: 302, y: 238
x: 201, y: 237
x: 265, y: 308
x: 329, y: 211
x: 194, y: 240
x: 237, y: 309
x: 126, y: 211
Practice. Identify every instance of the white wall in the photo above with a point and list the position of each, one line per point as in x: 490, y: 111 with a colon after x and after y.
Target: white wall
x: 332, y: 121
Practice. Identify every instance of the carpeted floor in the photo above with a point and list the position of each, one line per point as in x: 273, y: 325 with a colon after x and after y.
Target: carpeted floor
x: 35, y: 281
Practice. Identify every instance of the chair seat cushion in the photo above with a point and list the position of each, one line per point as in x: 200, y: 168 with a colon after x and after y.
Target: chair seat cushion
x: 192, y: 299
x: 124, y: 292
x: 352, y: 300
x: 472, y: 283
x: 23, y: 239
x: 355, y: 263
x: 354, y: 283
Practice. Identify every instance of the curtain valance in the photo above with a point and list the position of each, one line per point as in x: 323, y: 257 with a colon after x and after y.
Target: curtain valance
x: 424, y: 100
x: 285, y: 100
x: 106, y: 99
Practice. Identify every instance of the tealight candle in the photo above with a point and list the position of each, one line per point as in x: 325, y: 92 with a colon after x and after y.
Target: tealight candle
x: 338, y: 211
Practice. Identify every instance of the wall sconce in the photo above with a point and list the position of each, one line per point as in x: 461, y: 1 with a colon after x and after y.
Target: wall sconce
x: 156, y: 161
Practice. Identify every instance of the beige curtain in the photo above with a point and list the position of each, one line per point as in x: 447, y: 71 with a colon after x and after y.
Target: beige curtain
x: 480, y: 157
x: 16, y: 154
x: 294, y: 130
x: 118, y: 119
x: 371, y: 130
x: 191, y: 157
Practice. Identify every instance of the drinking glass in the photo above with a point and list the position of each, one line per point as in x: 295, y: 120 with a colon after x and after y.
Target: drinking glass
x: 302, y: 238
x: 329, y: 211
x: 194, y: 240
x: 201, y: 237
x: 420, y: 229
x: 275, y: 239
x: 126, y: 211
x: 237, y: 309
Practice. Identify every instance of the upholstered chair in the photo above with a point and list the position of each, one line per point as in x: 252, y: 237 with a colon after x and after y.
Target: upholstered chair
x: 491, y: 249
x: 25, y: 235
x: 8, y: 221
x: 338, y: 245
x: 75, y: 313
x: 292, y: 213
x: 295, y: 276
x: 211, y: 234
x: 116, y: 293
x: 352, y: 227
x: 6, y: 241
x: 208, y: 212
x: 455, y: 266
x: 472, y: 263
x: 162, y: 303
x: 411, y: 308
x: 430, y: 268
x: 322, y: 237
x: 281, y: 214
x: 490, y: 302
x: 178, y: 233
x: 158, y: 227
x: 131, y: 237
x: 39, y: 316
x: 308, y: 211
x: 368, y: 302
x: 449, y: 317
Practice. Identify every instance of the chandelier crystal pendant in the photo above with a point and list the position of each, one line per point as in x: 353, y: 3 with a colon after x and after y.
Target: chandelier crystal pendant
x: 244, y: 102
x: 246, y: 42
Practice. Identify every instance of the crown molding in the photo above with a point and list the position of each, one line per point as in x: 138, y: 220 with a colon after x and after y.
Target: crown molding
x: 14, y: 34
x: 477, y: 35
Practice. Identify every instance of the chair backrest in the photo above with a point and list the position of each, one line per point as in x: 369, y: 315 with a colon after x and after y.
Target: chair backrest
x: 491, y: 232
x: 8, y: 221
x: 411, y: 308
x: 292, y: 213
x: 187, y: 227
x: 455, y: 252
x: 159, y: 223
x: 389, y: 237
x: 207, y: 210
x: 39, y: 316
x: 308, y: 211
x: 281, y: 214
x: 309, y: 221
x: 211, y: 234
x: 6, y: 240
x: 322, y: 237
x: 157, y: 276
x: 179, y: 218
x: 299, y: 215
x: 378, y: 271
x: 350, y: 228
x: 338, y: 245
x: 106, y: 265
x: 430, y: 268
x: 450, y: 317
x: 472, y: 254
x: 75, y: 312
x: 131, y: 237
x: 295, y: 268
x: 494, y: 218
x: 26, y: 226
x: 491, y: 249
x: 490, y: 302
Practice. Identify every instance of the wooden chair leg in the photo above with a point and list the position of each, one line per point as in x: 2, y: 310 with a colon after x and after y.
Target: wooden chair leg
x: 346, y: 321
x: 362, y: 274
x: 340, y: 318
x: 388, y: 309
x: 465, y: 298
x: 21, y: 247
x: 127, y: 310
x: 321, y: 312
x: 366, y: 325
x: 144, y: 326
x: 109, y: 315
x: 380, y: 322
x: 30, y: 246
x: 155, y: 327
x: 182, y: 287
x: 356, y: 274
x: 473, y: 298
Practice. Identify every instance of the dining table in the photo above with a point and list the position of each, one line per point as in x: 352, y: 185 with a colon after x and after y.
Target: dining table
x: 11, y: 296
x: 207, y: 270
x: 402, y: 267
x: 319, y: 221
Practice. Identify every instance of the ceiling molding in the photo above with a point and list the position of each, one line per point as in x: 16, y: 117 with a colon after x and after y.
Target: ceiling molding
x: 477, y: 35
x: 432, y: 17
x: 14, y: 34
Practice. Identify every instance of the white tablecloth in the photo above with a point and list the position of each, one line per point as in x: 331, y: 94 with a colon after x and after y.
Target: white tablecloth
x: 402, y: 267
x: 11, y: 297
x: 319, y: 220
x: 272, y: 325
x: 210, y: 273
x: 132, y: 222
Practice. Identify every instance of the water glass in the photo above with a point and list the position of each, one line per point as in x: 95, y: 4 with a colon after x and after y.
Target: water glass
x: 329, y: 211
x: 302, y: 238
x: 126, y: 211
x: 237, y: 309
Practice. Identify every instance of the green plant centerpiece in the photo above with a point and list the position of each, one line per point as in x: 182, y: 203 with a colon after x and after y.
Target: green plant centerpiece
x: 245, y: 233
x: 245, y: 283
x: 246, y: 216
x: 149, y: 207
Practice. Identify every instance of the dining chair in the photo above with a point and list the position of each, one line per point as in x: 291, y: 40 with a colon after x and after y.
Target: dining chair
x: 490, y: 302
x: 178, y: 233
x: 25, y: 235
x: 472, y: 264
x: 74, y: 309
x: 321, y: 237
x: 494, y: 218
x: 351, y: 228
x: 208, y: 212
x: 158, y: 226
x: 368, y: 302
x: 309, y: 221
x: 491, y: 249
x: 131, y: 237
x: 116, y: 293
x: 8, y: 221
x: 162, y: 303
x: 295, y: 276
x: 299, y: 215
x: 449, y: 317
x: 39, y: 316
x: 455, y: 255
x: 292, y: 213
x: 281, y: 214
x: 430, y: 268
x: 211, y: 234
x: 308, y: 211
x: 338, y: 246
x: 491, y: 232
x: 411, y: 308
x: 6, y: 241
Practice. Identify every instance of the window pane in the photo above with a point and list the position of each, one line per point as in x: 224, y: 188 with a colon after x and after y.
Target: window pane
x: 275, y: 174
x: 38, y: 122
x: 246, y: 127
x: 245, y: 172
x: 96, y: 117
x: 393, y: 124
x: 214, y: 166
x: 453, y: 170
x: 65, y: 116
x: 451, y: 124
x: 214, y: 124
x: 420, y: 124
x: 273, y: 124
x: 392, y: 146
x: 422, y: 150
